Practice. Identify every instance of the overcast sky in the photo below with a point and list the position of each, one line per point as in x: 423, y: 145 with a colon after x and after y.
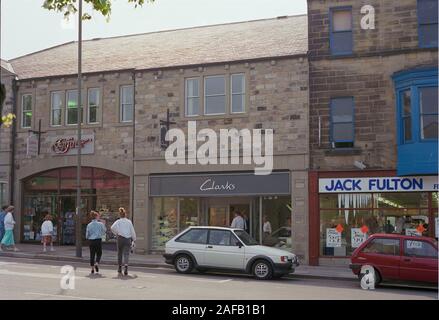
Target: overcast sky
x: 27, y: 27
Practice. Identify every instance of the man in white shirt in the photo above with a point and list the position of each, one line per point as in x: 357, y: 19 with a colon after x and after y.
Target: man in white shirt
x: 267, y: 226
x: 238, y: 222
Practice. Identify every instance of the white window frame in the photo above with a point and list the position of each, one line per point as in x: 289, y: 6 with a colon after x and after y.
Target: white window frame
x: 98, y: 107
x: 122, y: 104
x: 243, y: 93
x: 23, y: 111
x: 215, y: 95
x: 52, y: 109
x: 77, y: 107
x: 187, y: 97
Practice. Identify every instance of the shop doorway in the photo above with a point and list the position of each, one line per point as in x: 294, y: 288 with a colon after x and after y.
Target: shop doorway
x: 221, y: 211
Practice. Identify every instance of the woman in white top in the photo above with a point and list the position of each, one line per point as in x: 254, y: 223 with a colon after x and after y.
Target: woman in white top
x: 126, y: 236
x: 47, y: 232
x: 267, y: 226
x: 8, y: 238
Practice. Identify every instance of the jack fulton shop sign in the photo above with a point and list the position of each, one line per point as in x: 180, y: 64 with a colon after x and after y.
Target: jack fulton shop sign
x: 277, y: 183
x: 380, y: 184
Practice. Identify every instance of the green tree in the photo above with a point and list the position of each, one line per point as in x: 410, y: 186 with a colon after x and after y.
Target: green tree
x: 68, y: 7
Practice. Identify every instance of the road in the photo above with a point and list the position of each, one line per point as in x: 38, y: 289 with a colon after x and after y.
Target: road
x: 27, y: 279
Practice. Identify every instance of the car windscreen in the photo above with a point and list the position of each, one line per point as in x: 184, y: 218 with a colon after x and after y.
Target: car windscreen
x: 246, y: 238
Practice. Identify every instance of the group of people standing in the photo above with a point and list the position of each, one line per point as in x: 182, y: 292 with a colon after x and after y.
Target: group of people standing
x: 7, y: 224
x: 122, y: 228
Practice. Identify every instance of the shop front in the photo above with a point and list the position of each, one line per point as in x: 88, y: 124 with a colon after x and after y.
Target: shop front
x: 54, y: 192
x: 178, y: 201
x: 347, y: 207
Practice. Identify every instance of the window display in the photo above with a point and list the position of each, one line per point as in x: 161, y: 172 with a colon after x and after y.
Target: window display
x: 164, y: 221
x: 346, y: 220
x: 276, y: 219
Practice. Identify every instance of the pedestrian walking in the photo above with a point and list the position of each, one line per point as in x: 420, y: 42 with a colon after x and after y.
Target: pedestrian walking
x: 123, y: 229
x: 2, y: 223
x: 8, y: 238
x: 94, y: 233
x: 47, y: 232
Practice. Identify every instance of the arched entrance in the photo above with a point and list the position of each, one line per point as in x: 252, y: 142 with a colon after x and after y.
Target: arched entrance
x: 54, y: 192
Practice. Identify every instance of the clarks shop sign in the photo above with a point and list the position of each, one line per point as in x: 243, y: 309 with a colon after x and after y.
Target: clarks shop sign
x: 379, y: 184
x: 277, y: 183
x: 68, y: 145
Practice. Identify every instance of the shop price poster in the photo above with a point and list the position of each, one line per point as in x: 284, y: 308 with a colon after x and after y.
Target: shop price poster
x: 414, y: 244
x: 357, y: 237
x: 333, y: 238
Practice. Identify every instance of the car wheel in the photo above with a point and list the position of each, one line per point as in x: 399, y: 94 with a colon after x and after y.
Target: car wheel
x: 262, y: 270
x: 183, y: 264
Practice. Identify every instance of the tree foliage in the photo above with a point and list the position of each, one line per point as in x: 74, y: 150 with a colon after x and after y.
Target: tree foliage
x: 68, y: 7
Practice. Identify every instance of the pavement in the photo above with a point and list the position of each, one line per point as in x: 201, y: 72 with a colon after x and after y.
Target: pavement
x: 109, y: 257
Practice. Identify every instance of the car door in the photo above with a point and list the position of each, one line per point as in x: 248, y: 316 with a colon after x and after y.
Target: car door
x: 222, y: 250
x: 419, y: 261
x: 384, y: 254
x: 194, y: 241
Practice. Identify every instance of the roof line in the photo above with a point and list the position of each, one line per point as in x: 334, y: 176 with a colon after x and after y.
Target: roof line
x: 161, y: 31
x: 39, y: 51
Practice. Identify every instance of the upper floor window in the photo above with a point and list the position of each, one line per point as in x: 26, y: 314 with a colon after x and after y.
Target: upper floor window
x: 406, y: 104
x: 340, y: 25
x: 93, y: 105
x: 192, y: 97
x: 238, y: 93
x: 428, y: 109
x: 220, y: 95
x: 56, y: 108
x: 126, y: 103
x: 214, y: 95
x: 26, y: 111
x: 72, y: 107
x: 427, y: 23
x: 342, y: 122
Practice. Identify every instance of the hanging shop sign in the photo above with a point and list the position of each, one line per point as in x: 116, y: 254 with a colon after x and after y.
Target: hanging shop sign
x: 357, y: 237
x: 379, y: 184
x: 333, y: 238
x: 276, y: 183
x: 68, y: 145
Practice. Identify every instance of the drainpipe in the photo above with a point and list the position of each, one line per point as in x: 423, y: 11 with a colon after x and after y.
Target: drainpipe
x: 134, y: 145
x: 14, y: 133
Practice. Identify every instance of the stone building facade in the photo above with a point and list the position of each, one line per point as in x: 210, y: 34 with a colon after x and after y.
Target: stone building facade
x: 124, y: 161
x: 359, y: 65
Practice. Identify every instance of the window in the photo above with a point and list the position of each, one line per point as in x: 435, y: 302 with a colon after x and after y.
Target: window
x: 342, y: 122
x: 214, y: 95
x: 56, y: 108
x: 72, y: 107
x: 420, y: 249
x: 427, y: 23
x: 26, y: 111
x: 126, y: 103
x: 428, y: 105
x: 222, y: 238
x: 194, y: 236
x: 238, y: 93
x: 341, y: 42
x: 93, y: 105
x: 192, y: 97
x: 3, y: 188
x: 406, y: 103
x: 383, y: 246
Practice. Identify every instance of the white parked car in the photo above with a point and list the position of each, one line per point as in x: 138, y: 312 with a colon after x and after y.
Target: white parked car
x: 204, y: 248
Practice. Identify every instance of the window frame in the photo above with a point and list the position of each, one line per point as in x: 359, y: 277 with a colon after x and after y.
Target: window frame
x: 187, y: 97
x: 122, y: 104
x: 215, y: 95
x: 331, y: 32
x: 402, y: 117
x: 61, y: 94
x: 98, y: 107
x: 418, y: 102
x: 190, y: 230
x: 77, y: 107
x: 242, y: 93
x: 420, y: 34
x: 232, y: 236
x: 24, y: 95
x: 333, y: 142
x: 398, y: 240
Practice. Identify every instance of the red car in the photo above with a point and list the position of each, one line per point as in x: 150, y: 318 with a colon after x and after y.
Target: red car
x: 398, y: 258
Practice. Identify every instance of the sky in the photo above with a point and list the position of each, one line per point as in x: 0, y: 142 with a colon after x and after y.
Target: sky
x: 28, y: 30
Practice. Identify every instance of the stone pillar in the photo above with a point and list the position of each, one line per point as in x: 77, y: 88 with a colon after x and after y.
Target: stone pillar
x: 299, y: 197
x: 140, y: 212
